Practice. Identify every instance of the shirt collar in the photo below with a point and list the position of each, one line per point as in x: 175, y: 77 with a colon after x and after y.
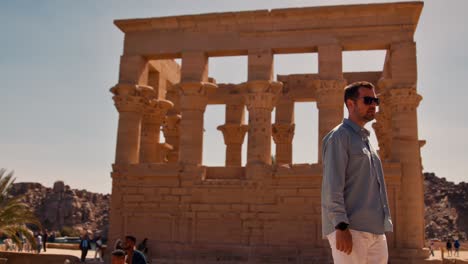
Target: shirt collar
x: 360, y: 130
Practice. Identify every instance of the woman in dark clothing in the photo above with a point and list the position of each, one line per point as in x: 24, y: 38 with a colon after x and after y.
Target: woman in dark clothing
x: 449, y: 247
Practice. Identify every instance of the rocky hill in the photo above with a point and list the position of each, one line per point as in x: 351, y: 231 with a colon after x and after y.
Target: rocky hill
x: 60, y: 207
x: 64, y: 209
x: 446, y: 211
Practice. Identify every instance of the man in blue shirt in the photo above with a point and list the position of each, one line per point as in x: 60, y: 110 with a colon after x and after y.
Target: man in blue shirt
x: 355, y: 212
x: 85, y: 245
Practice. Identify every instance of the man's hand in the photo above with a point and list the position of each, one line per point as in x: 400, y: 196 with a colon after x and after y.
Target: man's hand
x: 344, y: 241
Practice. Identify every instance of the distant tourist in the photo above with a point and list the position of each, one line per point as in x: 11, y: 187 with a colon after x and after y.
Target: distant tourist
x: 85, y: 245
x: 8, y: 244
x: 431, y: 248
x: 449, y: 247
x: 118, y: 257
x: 98, y: 249
x: 38, y: 243
x: 45, y: 236
x: 457, y: 248
x: 143, y: 247
x: 118, y: 244
x: 133, y: 256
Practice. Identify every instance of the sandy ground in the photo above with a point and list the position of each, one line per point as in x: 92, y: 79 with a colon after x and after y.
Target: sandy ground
x: 77, y: 253
x: 90, y: 256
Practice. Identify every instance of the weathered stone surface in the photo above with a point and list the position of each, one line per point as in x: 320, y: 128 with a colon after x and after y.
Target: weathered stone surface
x: 62, y: 206
x: 446, y: 211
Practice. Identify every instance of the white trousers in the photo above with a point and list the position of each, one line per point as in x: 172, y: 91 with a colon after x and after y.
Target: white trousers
x: 368, y: 248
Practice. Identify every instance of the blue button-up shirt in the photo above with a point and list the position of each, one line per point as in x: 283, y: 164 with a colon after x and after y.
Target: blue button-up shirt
x: 353, y: 186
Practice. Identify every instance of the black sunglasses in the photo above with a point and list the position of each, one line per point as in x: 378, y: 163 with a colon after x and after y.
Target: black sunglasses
x: 368, y: 100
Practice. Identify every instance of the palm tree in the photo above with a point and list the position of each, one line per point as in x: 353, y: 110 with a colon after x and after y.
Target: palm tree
x: 15, y: 215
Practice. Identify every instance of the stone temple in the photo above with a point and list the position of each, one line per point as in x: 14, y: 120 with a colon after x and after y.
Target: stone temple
x: 262, y: 212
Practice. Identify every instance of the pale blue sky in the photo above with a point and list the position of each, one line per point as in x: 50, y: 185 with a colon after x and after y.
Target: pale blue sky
x: 58, y: 60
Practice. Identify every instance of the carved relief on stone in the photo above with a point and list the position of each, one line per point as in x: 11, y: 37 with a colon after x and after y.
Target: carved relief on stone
x: 127, y: 98
x: 283, y: 133
x: 233, y: 133
x: 329, y: 93
x: 383, y: 126
x: 260, y: 94
x: 155, y: 111
x: 404, y: 99
x: 382, y: 131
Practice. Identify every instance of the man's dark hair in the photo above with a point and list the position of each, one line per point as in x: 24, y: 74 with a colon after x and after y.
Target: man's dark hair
x: 352, y: 91
x: 131, y: 238
x: 118, y: 253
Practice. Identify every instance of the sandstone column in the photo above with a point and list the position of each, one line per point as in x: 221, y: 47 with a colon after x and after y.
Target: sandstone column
x: 153, y: 117
x: 171, y: 132
x: 260, y: 101
x: 283, y: 130
x: 260, y: 94
x: 330, y: 98
x: 330, y: 91
x: 383, y: 124
x: 130, y: 104
x: 193, y: 89
x: 234, y: 131
x: 404, y: 101
x: 171, y: 125
x: 233, y: 138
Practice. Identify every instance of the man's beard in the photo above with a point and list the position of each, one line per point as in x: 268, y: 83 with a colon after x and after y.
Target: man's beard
x: 369, y: 116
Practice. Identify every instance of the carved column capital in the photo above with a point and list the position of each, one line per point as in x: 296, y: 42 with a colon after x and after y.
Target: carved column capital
x: 194, y: 95
x: 329, y: 93
x: 233, y: 133
x: 403, y: 99
x: 260, y: 94
x: 127, y: 98
x: 171, y: 126
x: 155, y: 111
x: 146, y: 91
x: 283, y: 133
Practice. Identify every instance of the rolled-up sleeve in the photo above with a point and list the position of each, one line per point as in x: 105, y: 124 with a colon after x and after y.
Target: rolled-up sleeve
x: 334, y: 158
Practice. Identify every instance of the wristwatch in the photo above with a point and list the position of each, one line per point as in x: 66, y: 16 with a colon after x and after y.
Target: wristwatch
x: 342, y: 226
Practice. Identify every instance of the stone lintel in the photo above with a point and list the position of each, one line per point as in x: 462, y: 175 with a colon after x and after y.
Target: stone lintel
x: 406, y: 13
x: 235, y: 33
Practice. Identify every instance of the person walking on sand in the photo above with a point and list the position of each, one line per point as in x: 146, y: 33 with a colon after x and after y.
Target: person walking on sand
x: 98, y: 249
x: 457, y: 248
x: 449, y: 247
x: 85, y: 245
